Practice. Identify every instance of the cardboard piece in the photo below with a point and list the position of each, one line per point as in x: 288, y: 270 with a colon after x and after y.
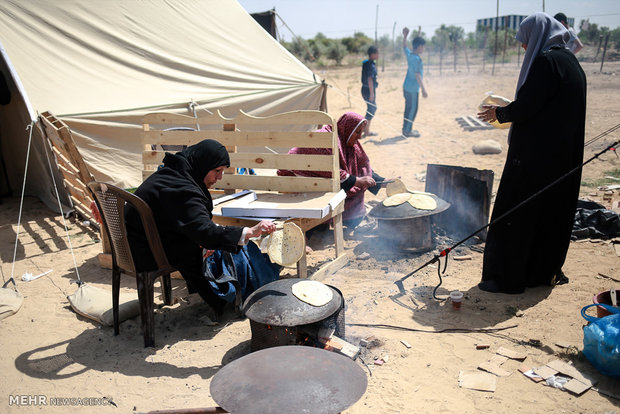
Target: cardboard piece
x: 498, y: 359
x: 576, y: 386
x: 545, y: 372
x: 569, y: 370
x: 477, y: 380
x: 494, y: 369
x: 512, y: 354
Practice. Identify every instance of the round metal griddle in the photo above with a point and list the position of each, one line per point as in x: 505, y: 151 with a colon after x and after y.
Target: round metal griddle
x: 275, y: 304
x: 406, y: 210
x: 289, y: 379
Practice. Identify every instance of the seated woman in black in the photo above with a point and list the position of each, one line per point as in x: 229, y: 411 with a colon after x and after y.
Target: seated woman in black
x: 215, y: 261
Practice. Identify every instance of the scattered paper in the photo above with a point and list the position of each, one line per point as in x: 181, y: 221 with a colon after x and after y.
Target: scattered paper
x: 532, y: 375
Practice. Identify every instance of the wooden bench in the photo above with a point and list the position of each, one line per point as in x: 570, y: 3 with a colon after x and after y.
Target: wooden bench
x: 260, y: 144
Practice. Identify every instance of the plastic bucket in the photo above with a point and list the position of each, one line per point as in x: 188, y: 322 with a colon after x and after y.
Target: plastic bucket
x: 602, y: 297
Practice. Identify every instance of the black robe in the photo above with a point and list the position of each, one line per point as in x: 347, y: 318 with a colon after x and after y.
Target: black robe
x: 528, y: 247
x: 181, y: 206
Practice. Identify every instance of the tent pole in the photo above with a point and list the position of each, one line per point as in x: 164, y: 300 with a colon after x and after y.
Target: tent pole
x: 323, y: 104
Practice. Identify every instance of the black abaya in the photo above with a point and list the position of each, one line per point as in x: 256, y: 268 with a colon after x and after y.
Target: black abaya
x: 528, y: 247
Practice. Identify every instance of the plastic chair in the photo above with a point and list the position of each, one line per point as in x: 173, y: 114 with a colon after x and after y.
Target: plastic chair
x: 111, y: 203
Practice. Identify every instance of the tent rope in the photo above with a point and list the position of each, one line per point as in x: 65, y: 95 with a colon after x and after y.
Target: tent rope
x: 64, y: 222
x: 29, y: 127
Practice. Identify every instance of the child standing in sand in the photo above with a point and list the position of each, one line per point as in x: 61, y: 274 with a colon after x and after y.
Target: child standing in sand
x: 369, y: 86
x: 413, y: 82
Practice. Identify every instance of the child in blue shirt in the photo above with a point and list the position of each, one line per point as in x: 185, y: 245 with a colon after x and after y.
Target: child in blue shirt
x: 413, y: 82
x: 369, y: 86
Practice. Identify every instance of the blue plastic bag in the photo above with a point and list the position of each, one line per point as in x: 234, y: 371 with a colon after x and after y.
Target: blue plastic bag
x: 601, y: 340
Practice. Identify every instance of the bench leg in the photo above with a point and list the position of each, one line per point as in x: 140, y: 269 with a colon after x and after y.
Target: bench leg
x: 338, y: 237
x: 302, y: 266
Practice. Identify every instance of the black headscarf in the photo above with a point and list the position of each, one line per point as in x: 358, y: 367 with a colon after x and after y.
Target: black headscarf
x: 205, y: 156
x: 199, y: 159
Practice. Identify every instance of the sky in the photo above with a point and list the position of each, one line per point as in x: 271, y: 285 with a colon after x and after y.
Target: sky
x: 342, y: 18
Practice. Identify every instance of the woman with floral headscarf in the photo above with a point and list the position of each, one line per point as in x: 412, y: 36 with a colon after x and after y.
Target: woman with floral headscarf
x: 527, y: 248
x: 356, y: 175
x: 178, y: 195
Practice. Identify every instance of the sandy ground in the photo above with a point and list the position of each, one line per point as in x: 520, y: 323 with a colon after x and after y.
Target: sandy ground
x: 48, y: 350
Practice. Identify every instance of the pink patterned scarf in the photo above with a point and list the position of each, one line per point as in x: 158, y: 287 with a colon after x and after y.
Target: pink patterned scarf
x: 353, y: 161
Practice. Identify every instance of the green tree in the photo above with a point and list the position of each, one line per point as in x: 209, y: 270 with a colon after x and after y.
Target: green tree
x: 337, y: 51
x: 359, y: 43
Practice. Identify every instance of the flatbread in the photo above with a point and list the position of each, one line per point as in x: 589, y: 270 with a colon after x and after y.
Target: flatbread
x: 422, y: 202
x: 285, y: 246
x: 499, y: 101
x: 396, y: 187
x: 312, y: 292
x: 397, y: 199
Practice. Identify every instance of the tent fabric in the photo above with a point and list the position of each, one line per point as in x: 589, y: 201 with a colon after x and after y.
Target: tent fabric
x: 100, y: 66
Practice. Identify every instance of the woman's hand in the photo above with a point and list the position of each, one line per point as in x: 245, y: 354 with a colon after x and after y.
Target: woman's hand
x: 365, y: 182
x: 488, y: 113
x: 263, y: 227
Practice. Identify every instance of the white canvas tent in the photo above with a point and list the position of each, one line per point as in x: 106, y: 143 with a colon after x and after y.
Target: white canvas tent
x: 99, y: 66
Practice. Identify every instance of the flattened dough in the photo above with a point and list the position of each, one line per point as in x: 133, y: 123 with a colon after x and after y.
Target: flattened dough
x: 397, y: 199
x: 396, y: 187
x: 285, y: 246
x: 313, y: 292
x: 422, y: 202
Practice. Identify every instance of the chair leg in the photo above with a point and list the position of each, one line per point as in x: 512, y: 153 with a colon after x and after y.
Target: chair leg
x: 145, y: 298
x: 116, y: 286
x: 166, y: 289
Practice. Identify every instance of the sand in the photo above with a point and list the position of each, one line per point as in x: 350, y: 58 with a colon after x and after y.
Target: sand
x: 49, y: 351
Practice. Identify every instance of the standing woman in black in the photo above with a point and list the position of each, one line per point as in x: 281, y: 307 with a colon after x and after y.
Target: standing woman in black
x: 528, y: 247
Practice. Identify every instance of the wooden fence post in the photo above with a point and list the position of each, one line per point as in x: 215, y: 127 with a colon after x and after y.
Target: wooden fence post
x: 604, y: 50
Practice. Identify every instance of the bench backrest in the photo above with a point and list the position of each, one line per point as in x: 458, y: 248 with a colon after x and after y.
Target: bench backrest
x: 260, y: 143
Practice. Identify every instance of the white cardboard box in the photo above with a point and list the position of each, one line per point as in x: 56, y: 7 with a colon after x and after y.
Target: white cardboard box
x: 269, y: 205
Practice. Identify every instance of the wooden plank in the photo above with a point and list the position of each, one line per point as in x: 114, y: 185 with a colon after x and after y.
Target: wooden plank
x: 75, y: 182
x: 274, y: 139
x: 338, y: 234
x: 302, y: 265
x: 152, y: 157
x: 85, y: 213
x: 66, y: 173
x: 283, y: 161
x: 330, y: 268
x: 275, y: 183
x: 81, y: 208
x: 74, y: 190
x: 62, y: 155
x: 301, y: 162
